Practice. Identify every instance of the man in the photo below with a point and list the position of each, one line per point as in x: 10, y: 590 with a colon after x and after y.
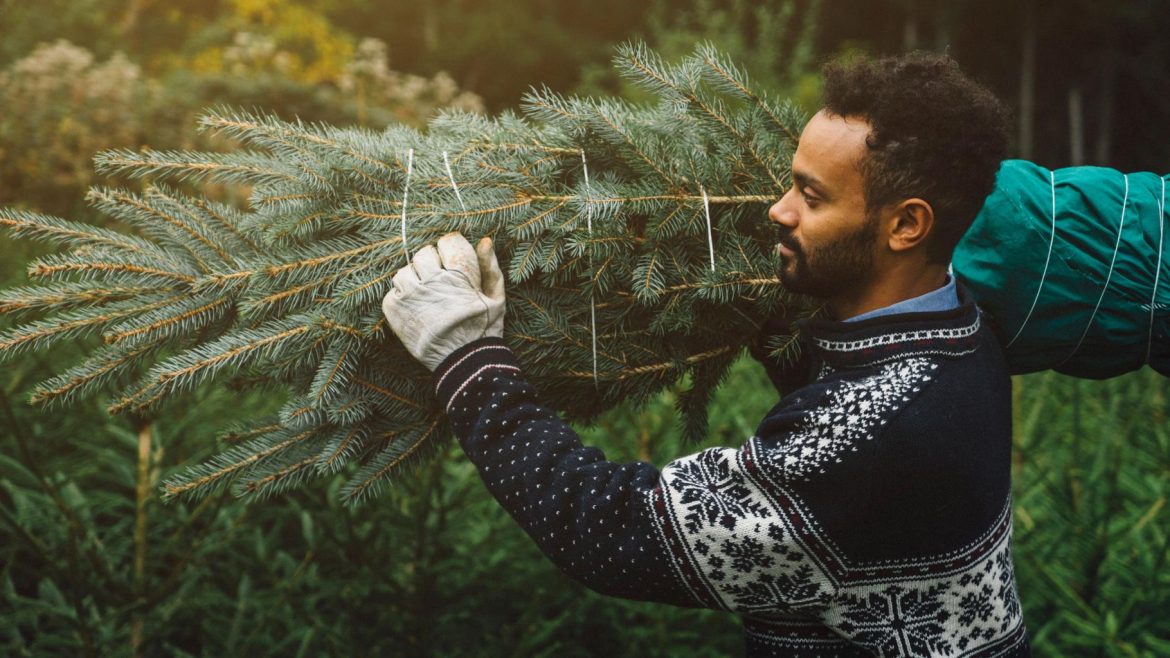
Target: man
x: 870, y: 513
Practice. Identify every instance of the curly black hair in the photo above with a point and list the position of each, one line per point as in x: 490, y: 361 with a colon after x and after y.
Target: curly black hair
x: 935, y: 134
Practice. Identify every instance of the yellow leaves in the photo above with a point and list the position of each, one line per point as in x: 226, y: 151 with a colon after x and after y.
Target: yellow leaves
x: 294, y: 38
x: 263, y: 11
x: 209, y: 60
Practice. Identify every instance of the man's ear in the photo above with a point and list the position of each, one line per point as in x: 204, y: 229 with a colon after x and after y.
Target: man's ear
x: 910, y: 222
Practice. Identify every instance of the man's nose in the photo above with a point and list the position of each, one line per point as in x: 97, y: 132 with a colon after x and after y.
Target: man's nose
x: 782, y: 211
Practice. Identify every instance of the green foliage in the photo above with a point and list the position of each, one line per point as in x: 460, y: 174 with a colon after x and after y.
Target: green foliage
x: 435, y: 568
x: 287, y: 291
x: 497, y: 48
x: 771, y: 40
x: 1092, y: 541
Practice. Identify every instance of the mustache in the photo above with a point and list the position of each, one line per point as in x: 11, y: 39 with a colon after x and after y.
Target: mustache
x: 785, y: 238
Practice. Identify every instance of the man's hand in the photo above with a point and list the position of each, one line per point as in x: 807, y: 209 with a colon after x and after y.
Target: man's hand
x: 446, y: 298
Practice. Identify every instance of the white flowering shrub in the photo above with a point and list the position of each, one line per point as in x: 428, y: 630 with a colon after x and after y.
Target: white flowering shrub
x: 411, y: 98
x: 58, y: 106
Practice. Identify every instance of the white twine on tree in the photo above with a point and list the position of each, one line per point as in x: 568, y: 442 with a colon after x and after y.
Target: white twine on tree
x: 710, y: 240
x: 1047, y: 261
x: 405, y: 196
x: 592, y: 304
x: 454, y: 186
x: 1109, y: 276
x: 1157, y: 268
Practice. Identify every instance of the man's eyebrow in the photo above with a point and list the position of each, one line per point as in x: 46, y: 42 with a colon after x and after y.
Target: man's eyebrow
x: 807, y: 180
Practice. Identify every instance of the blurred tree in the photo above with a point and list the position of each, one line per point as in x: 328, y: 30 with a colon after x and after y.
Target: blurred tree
x: 773, y: 40
x: 1092, y: 540
x: 84, y: 22
x: 497, y: 48
x: 1111, y: 55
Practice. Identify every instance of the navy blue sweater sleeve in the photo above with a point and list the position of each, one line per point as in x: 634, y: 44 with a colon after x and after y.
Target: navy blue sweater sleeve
x: 590, y: 516
x: 709, y: 530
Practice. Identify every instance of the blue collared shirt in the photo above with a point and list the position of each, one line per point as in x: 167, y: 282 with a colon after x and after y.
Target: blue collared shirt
x: 940, y: 299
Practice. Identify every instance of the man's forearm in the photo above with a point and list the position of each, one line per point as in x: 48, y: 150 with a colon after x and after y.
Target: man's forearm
x: 589, y: 515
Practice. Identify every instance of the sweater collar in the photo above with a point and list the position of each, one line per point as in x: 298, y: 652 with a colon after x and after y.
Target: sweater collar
x: 949, y: 333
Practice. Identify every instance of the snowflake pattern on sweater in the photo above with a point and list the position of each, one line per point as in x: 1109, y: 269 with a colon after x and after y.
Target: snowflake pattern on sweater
x: 832, y: 531
x: 852, y: 414
x: 770, y: 557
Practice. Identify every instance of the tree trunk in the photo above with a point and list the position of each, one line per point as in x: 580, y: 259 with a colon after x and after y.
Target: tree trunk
x: 143, y: 489
x: 944, y: 25
x: 1103, y: 146
x: 430, y: 27
x: 910, y: 28
x: 130, y: 19
x: 1076, y: 127
x: 1028, y: 80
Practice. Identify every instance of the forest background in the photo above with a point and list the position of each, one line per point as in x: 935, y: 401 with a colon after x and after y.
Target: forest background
x: 92, y: 563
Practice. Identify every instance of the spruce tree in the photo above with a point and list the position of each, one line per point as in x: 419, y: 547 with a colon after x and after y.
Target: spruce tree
x: 634, y: 239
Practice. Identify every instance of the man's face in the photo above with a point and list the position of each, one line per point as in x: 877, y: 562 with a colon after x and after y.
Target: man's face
x: 827, y: 240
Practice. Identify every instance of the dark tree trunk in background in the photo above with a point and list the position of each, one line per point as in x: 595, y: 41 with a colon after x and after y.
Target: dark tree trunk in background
x: 1076, y: 127
x: 129, y: 21
x: 430, y: 27
x: 1028, y: 79
x: 944, y: 26
x: 910, y: 27
x: 1103, y: 148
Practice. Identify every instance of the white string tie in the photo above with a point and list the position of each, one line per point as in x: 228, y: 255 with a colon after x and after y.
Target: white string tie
x: 710, y: 240
x: 1044, y: 274
x: 1109, y: 276
x: 1157, y: 268
x: 405, y: 196
x: 454, y: 185
x: 592, y: 304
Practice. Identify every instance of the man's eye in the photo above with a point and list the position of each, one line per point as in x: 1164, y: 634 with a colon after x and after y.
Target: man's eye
x: 808, y: 198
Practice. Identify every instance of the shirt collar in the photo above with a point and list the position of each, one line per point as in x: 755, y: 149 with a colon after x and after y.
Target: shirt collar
x: 943, y: 298
x: 861, y: 342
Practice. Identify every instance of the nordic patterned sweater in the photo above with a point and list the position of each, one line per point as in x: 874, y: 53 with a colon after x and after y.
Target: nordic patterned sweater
x: 870, y: 513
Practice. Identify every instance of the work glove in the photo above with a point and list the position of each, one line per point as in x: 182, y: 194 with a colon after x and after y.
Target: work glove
x: 446, y: 298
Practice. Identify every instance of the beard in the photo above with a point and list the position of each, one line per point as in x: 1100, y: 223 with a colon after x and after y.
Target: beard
x: 831, y: 269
